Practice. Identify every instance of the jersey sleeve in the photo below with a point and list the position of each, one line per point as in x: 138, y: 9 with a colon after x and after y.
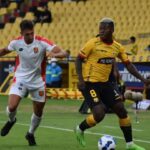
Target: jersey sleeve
x: 122, y: 55
x: 87, y: 48
x: 48, y: 45
x: 12, y: 46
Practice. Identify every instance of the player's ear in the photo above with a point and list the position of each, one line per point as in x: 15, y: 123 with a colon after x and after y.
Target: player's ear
x: 112, y: 29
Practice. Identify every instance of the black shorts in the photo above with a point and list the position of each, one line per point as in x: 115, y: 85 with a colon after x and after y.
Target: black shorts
x: 101, y: 93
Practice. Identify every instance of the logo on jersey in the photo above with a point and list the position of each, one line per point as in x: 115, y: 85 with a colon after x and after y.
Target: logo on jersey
x: 101, y: 50
x: 20, y: 88
x: 106, y: 60
x: 41, y: 93
x: 20, y: 49
x: 35, y: 50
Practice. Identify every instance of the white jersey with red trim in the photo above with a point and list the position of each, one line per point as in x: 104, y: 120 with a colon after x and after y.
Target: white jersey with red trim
x: 31, y: 61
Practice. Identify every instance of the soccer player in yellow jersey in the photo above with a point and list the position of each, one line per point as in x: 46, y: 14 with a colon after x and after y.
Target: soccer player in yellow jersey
x: 99, y: 54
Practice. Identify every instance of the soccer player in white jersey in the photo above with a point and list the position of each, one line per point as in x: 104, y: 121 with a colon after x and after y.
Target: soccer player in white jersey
x: 29, y: 75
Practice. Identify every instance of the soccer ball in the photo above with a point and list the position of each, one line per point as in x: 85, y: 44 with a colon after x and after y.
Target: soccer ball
x: 106, y: 142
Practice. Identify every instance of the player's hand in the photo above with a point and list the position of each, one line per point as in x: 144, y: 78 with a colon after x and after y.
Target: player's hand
x: 50, y: 54
x: 81, y: 85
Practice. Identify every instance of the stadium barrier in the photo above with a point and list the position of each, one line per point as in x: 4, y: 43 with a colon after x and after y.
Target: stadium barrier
x: 64, y: 93
x: 70, y: 79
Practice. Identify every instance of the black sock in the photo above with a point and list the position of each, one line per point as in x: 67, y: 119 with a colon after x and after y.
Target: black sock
x: 127, y: 131
x: 83, y: 126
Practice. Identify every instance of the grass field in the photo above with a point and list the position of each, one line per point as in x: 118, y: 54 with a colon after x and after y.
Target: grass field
x: 56, y: 130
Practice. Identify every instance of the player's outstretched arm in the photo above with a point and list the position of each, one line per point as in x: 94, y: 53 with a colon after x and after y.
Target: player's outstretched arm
x: 57, y: 53
x: 4, y: 51
x: 132, y: 69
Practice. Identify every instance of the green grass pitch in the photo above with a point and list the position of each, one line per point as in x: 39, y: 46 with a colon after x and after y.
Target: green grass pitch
x: 56, y: 130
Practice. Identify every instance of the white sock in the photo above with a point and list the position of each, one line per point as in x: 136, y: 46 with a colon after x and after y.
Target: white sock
x: 128, y: 144
x: 11, y: 115
x: 35, y: 121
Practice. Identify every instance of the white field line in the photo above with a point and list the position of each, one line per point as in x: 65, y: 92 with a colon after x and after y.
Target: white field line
x: 111, y: 127
x: 88, y: 132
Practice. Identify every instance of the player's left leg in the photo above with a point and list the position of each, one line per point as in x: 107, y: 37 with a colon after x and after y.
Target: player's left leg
x: 38, y: 97
x: 116, y: 104
x: 35, y: 121
x: 125, y: 125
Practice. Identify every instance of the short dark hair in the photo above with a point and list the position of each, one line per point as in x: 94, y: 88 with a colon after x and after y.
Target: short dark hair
x: 132, y: 38
x: 26, y: 24
x: 108, y: 21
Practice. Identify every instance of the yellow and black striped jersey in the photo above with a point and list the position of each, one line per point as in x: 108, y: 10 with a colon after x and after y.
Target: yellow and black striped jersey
x: 99, y: 57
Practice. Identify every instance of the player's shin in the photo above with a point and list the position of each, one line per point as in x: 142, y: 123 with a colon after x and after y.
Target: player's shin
x: 11, y: 115
x: 88, y: 123
x: 35, y: 121
x: 125, y: 125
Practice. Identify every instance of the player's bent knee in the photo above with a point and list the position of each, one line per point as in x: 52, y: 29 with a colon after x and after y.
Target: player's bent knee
x: 38, y: 108
x: 38, y: 113
x: 120, y: 110
x: 99, y: 115
x: 122, y: 113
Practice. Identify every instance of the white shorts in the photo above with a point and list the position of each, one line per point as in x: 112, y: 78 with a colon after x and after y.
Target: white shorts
x: 21, y: 89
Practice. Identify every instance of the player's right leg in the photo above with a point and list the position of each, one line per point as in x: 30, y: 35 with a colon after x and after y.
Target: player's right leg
x: 11, y: 112
x: 17, y: 91
x: 91, y: 95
